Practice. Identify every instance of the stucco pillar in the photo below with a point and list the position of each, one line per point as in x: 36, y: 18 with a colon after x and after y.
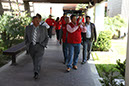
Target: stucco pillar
x: 27, y: 6
x: 125, y: 5
x: 127, y: 61
x: 99, y: 16
x: 1, y: 9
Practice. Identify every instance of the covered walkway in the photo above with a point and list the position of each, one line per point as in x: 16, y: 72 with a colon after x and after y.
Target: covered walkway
x: 53, y: 71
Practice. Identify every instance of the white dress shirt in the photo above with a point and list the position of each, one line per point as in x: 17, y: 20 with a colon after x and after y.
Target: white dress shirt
x: 88, y: 32
x: 43, y: 24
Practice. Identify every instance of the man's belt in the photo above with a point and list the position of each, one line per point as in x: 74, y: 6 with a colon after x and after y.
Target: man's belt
x: 88, y: 38
x: 35, y: 44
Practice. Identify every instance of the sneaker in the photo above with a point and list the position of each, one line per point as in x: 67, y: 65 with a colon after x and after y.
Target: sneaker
x: 68, y: 69
x: 75, y: 67
x: 83, y: 62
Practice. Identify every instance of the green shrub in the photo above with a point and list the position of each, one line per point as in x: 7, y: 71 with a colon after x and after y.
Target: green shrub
x: 4, y: 59
x: 121, y: 67
x: 103, y: 41
x: 114, y: 24
x: 109, y: 73
x: 12, y: 29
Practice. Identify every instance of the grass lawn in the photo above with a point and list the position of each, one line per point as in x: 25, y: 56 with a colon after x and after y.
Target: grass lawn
x: 119, y: 46
x: 105, y: 67
x: 107, y: 60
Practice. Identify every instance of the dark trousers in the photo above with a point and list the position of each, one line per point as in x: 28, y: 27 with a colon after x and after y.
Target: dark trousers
x: 87, y: 46
x: 36, y: 52
x: 58, y: 34
x: 50, y: 32
x: 65, y: 52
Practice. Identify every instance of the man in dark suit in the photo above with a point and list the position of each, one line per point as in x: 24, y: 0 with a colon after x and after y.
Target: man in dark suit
x: 88, y: 38
x: 36, y: 39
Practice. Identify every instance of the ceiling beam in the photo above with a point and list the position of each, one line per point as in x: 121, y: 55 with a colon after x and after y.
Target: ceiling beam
x: 65, y: 1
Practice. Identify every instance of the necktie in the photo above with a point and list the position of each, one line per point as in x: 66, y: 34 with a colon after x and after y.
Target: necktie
x: 34, y: 36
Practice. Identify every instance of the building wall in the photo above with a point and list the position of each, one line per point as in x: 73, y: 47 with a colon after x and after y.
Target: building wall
x: 10, y: 5
x: 125, y: 9
x: 114, y: 7
x: 7, y: 6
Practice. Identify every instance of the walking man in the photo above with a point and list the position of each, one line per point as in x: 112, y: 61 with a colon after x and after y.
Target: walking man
x: 36, y: 39
x: 64, y: 39
x: 43, y: 23
x: 74, y: 42
x: 58, y: 29
x: 88, y: 38
x: 51, y: 23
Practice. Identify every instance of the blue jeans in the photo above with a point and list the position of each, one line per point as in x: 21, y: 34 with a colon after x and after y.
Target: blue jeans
x: 74, y: 50
x: 65, y: 52
x: 87, y: 46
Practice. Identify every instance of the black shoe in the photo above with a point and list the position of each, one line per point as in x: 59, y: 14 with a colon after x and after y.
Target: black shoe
x: 36, y: 75
x: 83, y: 62
x: 64, y: 62
x: 88, y: 58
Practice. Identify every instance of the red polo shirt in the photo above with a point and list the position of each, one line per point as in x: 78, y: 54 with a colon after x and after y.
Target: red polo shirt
x: 50, y: 22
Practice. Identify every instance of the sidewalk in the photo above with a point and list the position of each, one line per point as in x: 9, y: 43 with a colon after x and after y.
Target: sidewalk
x: 53, y: 71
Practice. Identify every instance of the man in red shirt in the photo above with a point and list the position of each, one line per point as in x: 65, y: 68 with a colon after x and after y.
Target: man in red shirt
x: 63, y: 20
x: 74, y: 41
x: 51, y: 23
x: 64, y: 39
x: 58, y: 28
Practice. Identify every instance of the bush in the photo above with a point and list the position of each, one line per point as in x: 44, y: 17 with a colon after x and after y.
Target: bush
x: 121, y: 67
x: 4, y: 59
x: 112, y: 74
x: 109, y: 77
x: 12, y: 29
x: 103, y: 42
x: 114, y: 24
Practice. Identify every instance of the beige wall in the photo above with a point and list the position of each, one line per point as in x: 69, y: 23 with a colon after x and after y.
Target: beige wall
x: 125, y: 9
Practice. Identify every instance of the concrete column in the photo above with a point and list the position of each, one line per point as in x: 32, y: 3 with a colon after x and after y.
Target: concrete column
x: 91, y: 14
x: 127, y: 63
x: 125, y: 5
x: 1, y: 9
x: 99, y: 16
x: 27, y: 6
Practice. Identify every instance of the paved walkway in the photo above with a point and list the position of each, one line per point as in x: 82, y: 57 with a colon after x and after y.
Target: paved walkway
x: 53, y: 71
